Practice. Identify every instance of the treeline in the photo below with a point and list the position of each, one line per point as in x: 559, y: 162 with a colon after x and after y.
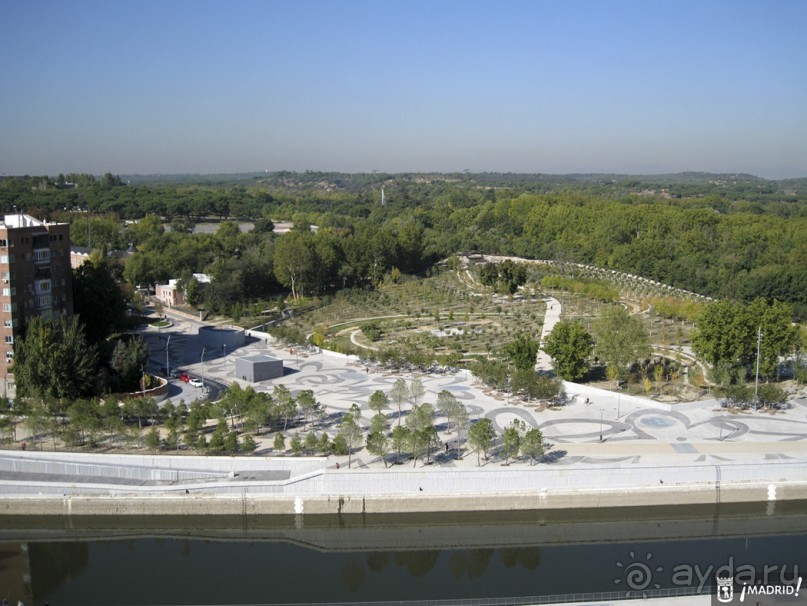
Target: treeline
x: 721, y: 242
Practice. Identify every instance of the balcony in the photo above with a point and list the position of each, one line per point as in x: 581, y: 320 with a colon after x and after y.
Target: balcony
x: 42, y: 256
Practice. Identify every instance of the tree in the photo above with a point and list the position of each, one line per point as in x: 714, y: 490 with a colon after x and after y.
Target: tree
x: 399, y: 394
x: 311, y: 441
x: 129, y: 358
x: 522, y: 351
x: 401, y: 440
x: 248, y: 444
x: 421, y: 423
x: 416, y: 391
x: 279, y: 443
x: 97, y: 299
x: 569, y: 345
x: 620, y: 338
x: 153, y: 439
x: 294, y: 261
x: 378, y: 445
x: 771, y: 395
x: 727, y: 333
x: 448, y: 405
x: 324, y: 444
x: 284, y: 403
x: 379, y: 423
x: 308, y: 405
x: 54, y: 361
x: 296, y: 445
x: 532, y: 444
x: 350, y: 431
x: 511, y: 440
x: 481, y: 436
x: 378, y: 401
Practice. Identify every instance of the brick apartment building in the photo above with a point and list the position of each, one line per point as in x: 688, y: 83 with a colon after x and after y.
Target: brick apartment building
x: 36, y: 278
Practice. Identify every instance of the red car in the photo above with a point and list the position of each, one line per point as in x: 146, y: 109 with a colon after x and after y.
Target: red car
x: 185, y: 377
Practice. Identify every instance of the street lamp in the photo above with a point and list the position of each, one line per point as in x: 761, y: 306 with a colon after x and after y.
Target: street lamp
x: 203, y: 366
x: 167, y: 367
x: 600, y: 424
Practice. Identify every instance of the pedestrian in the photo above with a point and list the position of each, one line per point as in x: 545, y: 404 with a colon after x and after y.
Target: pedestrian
x: 337, y: 464
x: 23, y: 445
x: 446, y: 447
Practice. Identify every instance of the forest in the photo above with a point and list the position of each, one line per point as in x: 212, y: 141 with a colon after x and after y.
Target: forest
x: 737, y: 237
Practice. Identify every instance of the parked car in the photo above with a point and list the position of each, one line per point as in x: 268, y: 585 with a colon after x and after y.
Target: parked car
x: 196, y: 383
x: 185, y: 377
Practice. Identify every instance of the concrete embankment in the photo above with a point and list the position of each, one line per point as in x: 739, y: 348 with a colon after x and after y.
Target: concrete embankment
x: 82, y: 484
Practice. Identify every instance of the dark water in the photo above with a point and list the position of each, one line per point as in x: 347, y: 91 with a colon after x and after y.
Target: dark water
x: 218, y: 561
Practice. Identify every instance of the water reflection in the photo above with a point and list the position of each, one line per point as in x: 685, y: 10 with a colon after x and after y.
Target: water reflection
x: 207, y: 561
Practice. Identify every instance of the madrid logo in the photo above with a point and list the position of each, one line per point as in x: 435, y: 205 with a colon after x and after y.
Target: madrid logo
x: 725, y: 589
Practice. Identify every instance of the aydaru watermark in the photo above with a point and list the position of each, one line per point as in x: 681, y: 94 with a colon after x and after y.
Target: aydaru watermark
x: 641, y: 575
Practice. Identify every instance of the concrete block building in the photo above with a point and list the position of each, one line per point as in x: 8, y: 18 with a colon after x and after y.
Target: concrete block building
x: 36, y: 278
x: 258, y: 368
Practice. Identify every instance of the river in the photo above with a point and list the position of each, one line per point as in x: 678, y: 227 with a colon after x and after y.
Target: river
x: 277, y: 560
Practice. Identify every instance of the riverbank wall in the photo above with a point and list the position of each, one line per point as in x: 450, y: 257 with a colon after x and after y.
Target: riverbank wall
x: 88, y: 484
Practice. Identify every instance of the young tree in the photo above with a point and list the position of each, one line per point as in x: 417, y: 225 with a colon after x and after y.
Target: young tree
x: 447, y: 404
x: 311, y: 442
x: 399, y: 395
x: 378, y: 401
x: 461, y: 423
x: 532, y: 444
x: 771, y: 395
x: 378, y: 445
x: 569, y: 345
x: 248, y: 444
x: 350, y: 431
x: 416, y: 391
x: 379, y: 423
x: 296, y: 445
x: 279, y: 443
x: 511, y: 441
x: 284, y: 403
x: 481, y: 436
x: 401, y: 440
x: 308, y: 405
x: 153, y: 439
x: 424, y: 434
x: 324, y: 444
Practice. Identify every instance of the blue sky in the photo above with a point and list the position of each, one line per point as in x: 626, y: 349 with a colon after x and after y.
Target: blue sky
x: 403, y: 86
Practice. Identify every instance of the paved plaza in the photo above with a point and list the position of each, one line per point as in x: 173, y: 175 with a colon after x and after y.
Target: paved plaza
x: 595, y: 427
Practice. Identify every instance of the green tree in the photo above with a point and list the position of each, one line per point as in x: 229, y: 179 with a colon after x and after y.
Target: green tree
x: 378, y: 445
x: 296, y: 445
x: 308, y: 405
x: 522, y: 351
x: 324, y: 445
x: 279, y: 443
x: 54, y: 361
x: 771, y: 395
x: 378, y: 401
x: 97, y: 299
x: 511, y: 440
x: 129, y: 359
x: 153, y: 439
x: 570, y: 346
x: 248, y: 444
x: 399, y: 395
x: 481, y: 436
x: 401, y: 440
x: 532, y: 444
x: 620, y: 338
x: 284, y: 403
x: 311, y: 441
x: 350, y: 431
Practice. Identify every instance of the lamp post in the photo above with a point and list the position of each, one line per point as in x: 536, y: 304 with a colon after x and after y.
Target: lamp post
x: 167, y: 367
x: 600, y: 424
x: 203, y: 366
x: 756, y: 380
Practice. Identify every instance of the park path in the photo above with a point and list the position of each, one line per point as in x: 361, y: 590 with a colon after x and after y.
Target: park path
x: 551, y: 317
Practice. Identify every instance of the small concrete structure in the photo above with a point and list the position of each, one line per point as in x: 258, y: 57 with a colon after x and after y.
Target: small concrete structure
x: 258, y: 368
x: 224, y: 338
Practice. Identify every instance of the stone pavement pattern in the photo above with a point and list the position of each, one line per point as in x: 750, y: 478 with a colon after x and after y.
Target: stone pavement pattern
x: 595, y: 427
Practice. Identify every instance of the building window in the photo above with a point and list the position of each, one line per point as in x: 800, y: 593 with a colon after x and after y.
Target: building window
x: 3, y: 243
x: 9, y: 306
x: 8, y: 323
x: 9, y: 338
x: 3, y: 258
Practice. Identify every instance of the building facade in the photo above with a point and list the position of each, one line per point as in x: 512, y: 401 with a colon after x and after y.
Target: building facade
x: 36, y: 278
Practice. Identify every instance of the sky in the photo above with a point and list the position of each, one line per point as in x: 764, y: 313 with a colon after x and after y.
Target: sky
x: 566, y: 86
